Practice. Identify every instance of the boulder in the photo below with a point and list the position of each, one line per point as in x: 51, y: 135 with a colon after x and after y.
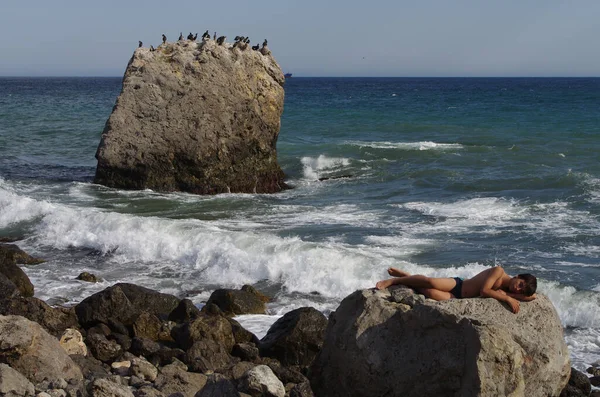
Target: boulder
x: 296, y: 338
x: 261, y: 381
x: 579, y: 385
x: 196, y: 117
x: 214, y: 327
x: 72, y: 342
x: 105, y: 388
x: 123, y: 303
x: 174, y: 378
x: 29, y: 349
x: 207, y: 355
x: 235, y: 302
x: 218, y: 386
x: 54, y: 319
x: 12, y: 383
x: 103, y: 349
x: 88, y: 277
x: 376, y: 344
x: 184, y: 312
x: 8, y: 289
x: 10, y: 257
x: 141, y: 368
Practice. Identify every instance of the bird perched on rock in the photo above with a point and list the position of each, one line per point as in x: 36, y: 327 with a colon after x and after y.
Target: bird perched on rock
x: 256, y: 47
x: 180, y: 36
x: 152, y: 48
x: 215, y: 36
x: 206, y: 35
x: 237, y: 38
x: 164, y: 39
x: 190, y: 36
x: 139, y: 44
x: 247, y: 40
x: 221, y: 40
x: 265, y: 43
x: 195, y: 37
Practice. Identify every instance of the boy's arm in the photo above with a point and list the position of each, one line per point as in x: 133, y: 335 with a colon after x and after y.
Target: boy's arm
x: 487, y: 291
x: 521, y: 297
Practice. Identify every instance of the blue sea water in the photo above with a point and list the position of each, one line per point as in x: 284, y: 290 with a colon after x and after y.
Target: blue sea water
x: 442, y: 177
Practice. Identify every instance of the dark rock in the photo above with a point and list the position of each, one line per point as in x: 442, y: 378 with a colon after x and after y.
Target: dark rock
x: 234, y: 302
x: 148, y: 326
x: 595, y: 393
x: 207, y: 355
x: 123, y: 340
x: 103, y: 349
x: 594, y: 371
x: 123, y: 303
x: 238, y: 370
x: 174, y: 378
x: 100, y: 328
x: 290, y: 374
x: 254, y: 291
x: 301, y: 390
x: 195, y: 118
x: 184, y: 312
x: 118, y: 327
x: 144, y: 347
x: 245, y: 351
x: 296, y: 338
x: 595, y: 381
x: 216, y: 328
x: 166, y: 356
x: 241, y: 334
x: 10, y: 256
x: 10, y: 239
x: 148, y: 391
x: 8, y: 289
x: 218, y: 386
x: 91, y: 367
x: 580, y: 381
x: 572, y: 391
x: 54, y: 319
x: 212, y: 310
x: 88, y: 277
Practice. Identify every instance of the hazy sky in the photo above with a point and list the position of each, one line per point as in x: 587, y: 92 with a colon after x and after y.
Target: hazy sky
x: 313, y: 38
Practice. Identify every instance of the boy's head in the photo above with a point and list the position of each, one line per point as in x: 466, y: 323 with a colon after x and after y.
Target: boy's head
x: 525, y: 284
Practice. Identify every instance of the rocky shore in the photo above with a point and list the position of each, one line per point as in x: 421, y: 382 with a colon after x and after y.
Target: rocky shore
x: 128, y: 340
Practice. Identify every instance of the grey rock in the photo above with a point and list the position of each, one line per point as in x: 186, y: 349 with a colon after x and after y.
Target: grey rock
x: 33, y: 352
x: 105, y: 388
x: 207, y: 355
x: 184, y: 312
x: 261, y: 381
x: 12, y: 383
x: 72, y: 341
x: 218, y: 386
x: 301, y: 390
x: 54, y: 319
x: 10, y: 256
x: 87, y: 277
x: 148, y: 391
x: 174, y: 378
x: 214, y: 327
x: 476, y: 347
x: 195, y: 117
x: 141, y: 368
x: 103, y: 349
x: 90, y: 366
x: 245, y: 351
x: 296, y: 338
x: 57, y: 393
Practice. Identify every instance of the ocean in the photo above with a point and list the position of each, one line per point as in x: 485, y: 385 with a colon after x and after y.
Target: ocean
x: 437, y: 176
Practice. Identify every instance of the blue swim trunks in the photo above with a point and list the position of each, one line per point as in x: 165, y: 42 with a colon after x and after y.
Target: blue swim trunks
x: 457, y: 290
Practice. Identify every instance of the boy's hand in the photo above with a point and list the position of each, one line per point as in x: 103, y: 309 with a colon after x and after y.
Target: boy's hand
x: 514, y: 304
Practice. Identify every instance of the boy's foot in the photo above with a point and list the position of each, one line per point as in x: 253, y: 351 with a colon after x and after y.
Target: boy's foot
x: 394, y: 272
x: 383, y: 284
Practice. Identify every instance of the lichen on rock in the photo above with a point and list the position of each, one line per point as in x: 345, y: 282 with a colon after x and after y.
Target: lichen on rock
x: 195, y: 117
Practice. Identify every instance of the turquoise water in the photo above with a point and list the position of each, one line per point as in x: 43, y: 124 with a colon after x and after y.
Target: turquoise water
x: 441, y: 176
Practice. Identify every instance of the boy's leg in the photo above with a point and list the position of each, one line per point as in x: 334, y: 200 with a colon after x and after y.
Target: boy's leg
x: 395, y: 272
x: 420, y: 282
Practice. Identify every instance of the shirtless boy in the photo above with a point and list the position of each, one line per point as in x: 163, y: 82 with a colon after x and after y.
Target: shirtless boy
x: 490, y: 283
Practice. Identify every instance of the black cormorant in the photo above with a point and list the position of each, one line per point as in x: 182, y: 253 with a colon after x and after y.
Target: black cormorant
x: 221, y: 40
x: 265, y: 43
x: 151, y: 48
x: 164, y: 39
x: 139, y: 44
x: 180, y: 35
x: 256, y: 47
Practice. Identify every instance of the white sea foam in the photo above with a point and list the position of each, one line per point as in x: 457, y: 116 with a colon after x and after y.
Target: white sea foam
x: 16, y: 208
x: 314, y: 167
x: 424, y: 145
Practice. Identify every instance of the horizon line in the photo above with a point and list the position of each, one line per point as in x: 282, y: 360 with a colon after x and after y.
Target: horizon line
x: 338, y: 77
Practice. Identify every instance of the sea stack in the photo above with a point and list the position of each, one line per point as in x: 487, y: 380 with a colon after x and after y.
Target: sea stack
x: 195, y: 117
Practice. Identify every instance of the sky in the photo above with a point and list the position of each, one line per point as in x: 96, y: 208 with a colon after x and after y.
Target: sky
x: 417, y: 38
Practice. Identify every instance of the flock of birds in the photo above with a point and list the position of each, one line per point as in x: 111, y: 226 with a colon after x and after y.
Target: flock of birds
x: 206, y: 36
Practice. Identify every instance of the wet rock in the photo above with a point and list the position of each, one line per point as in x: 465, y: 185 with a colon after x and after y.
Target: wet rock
x: 296, y: 338
x: 196, y: 117
x: 10, y: 257
x: 207, y: 355
x: 88, y: 277
x: 123, y: 303
x: 241, y: 334
x: 216, y: 328
x: 54, y: 319
x: 245, y: 351
x: 578, y: 381
x: 91, y: 367
x: 186, y: 311
x: 144, y: 347
x: 235, y: 302
x: 102, y: 348
x: 301, y: 390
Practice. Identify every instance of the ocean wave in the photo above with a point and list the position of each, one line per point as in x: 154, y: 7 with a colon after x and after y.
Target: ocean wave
x: 424, y: 145
x: 313, y: 168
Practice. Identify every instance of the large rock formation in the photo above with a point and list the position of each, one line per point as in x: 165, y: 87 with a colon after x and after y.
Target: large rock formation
x: 196, y: 117
x: 382, y: 343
